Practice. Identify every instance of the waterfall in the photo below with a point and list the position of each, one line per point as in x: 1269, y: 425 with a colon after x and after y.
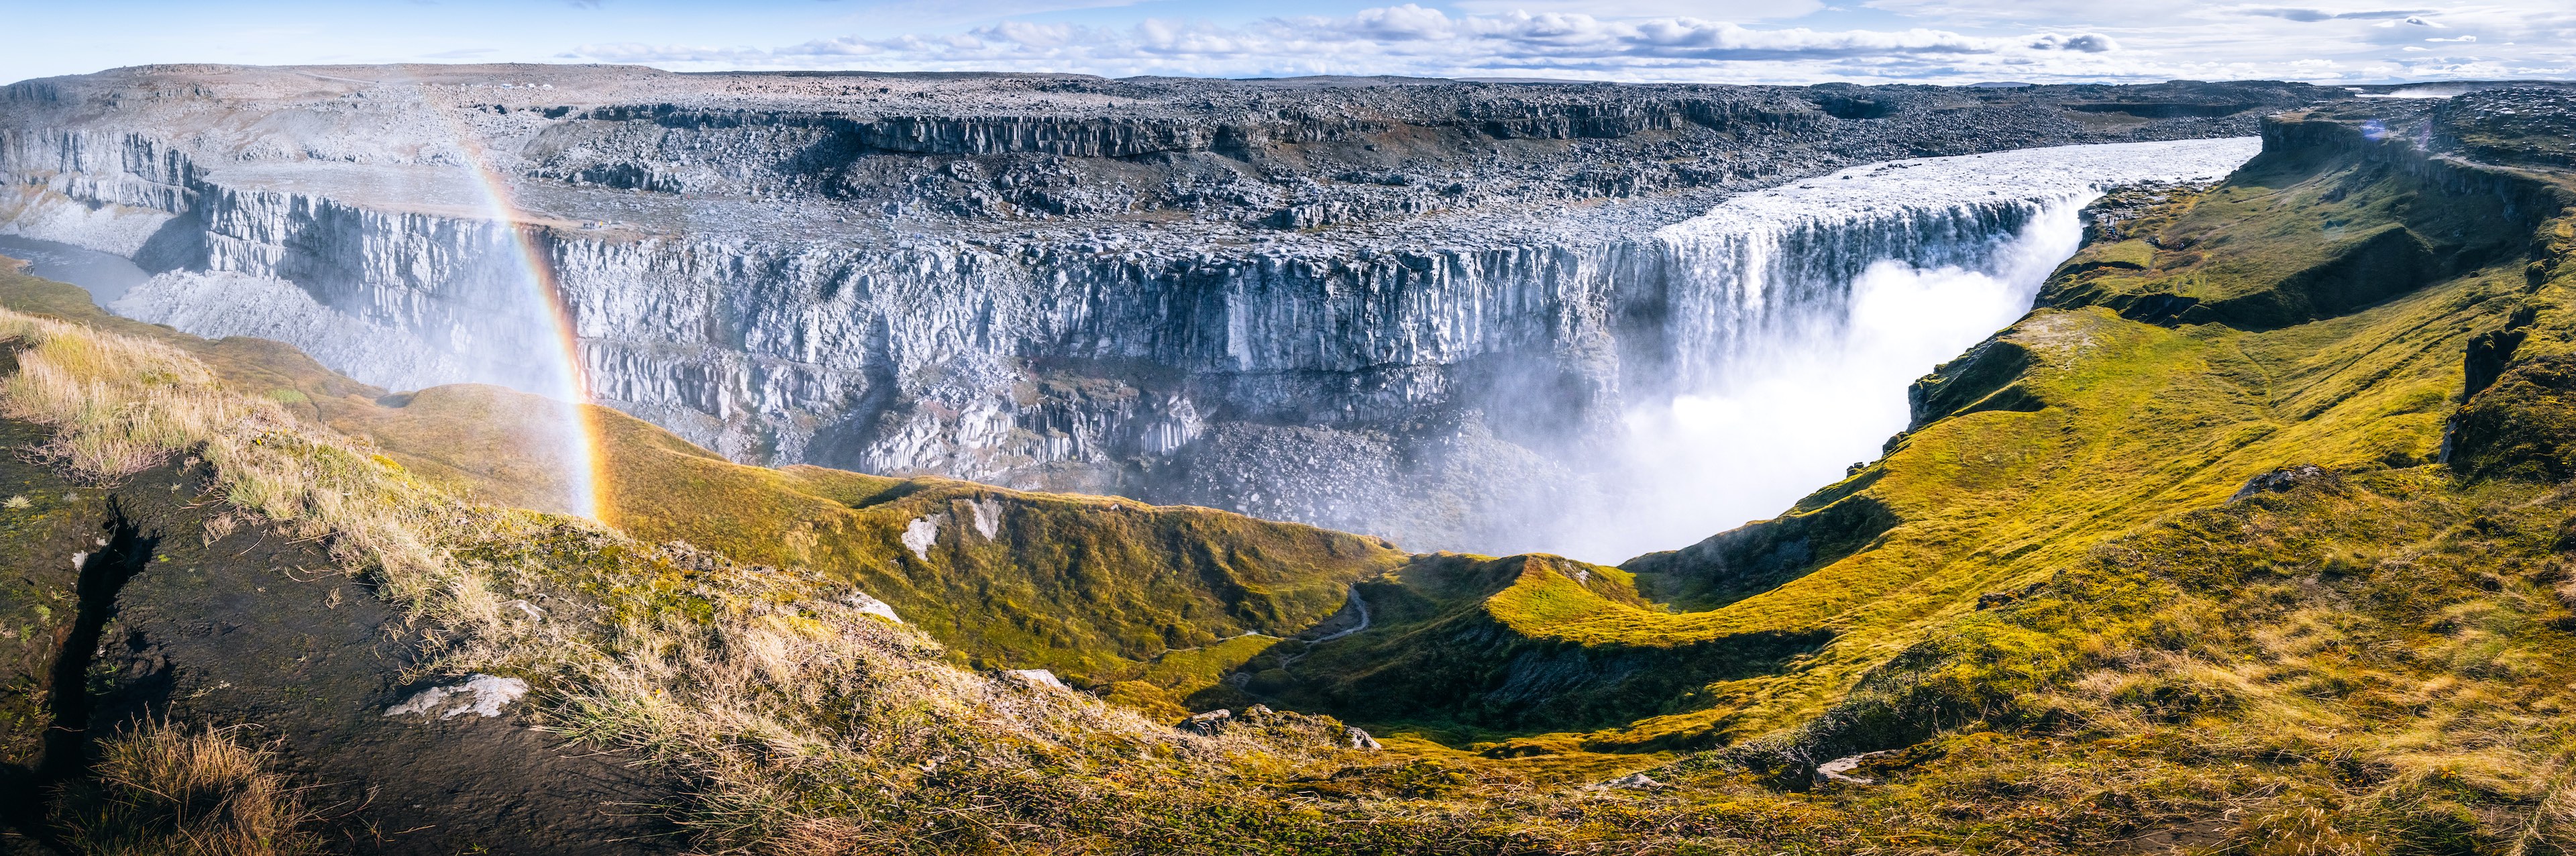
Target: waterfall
x: 1570, y: 392
x: 1798, y: 316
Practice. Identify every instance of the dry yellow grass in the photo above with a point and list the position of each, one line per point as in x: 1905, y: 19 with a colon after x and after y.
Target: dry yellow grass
x: 164, y: 790
x: 819, y: 728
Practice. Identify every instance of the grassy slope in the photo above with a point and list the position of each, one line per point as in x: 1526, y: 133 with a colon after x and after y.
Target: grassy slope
x: 1096, y: 589
x: 806, y: 724
x: 2098, y: 426
x: 1099, y: 589
x: 2366, y: 661
x: 2139, y: 422
x: 2075, y: 637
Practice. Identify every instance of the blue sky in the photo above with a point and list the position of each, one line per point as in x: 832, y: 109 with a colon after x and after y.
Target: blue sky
x: 1732, y: 41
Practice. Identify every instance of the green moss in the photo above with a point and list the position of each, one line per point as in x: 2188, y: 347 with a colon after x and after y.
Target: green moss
x: 1098, y: 589
x: 38, y: 587
x: 1473, y: 648
x: 2133, y: 254
x: 2301, y: 234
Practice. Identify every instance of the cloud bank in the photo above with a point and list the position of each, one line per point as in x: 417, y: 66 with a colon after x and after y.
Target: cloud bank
x: 1634, y: 40
x: 1730, y: 41
x: 1418, y: 40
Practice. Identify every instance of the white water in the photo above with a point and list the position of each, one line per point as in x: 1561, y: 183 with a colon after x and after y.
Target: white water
x: 1748, y: 348
x: 1817, y: 304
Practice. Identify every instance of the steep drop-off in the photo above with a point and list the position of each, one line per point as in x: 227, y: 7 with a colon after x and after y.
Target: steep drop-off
x: 1327, y: 301
x: 2267, y: 583
x: 2073, y: 428
x: 1158, y: 600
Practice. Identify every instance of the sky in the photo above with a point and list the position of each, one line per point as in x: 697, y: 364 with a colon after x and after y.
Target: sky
x: 1718, y: 41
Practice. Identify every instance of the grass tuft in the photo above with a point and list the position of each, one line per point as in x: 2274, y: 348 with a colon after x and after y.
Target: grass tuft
x: 163, y: 790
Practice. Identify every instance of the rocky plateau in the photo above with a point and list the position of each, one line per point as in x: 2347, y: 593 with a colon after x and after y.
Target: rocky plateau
x: 1406, y: 307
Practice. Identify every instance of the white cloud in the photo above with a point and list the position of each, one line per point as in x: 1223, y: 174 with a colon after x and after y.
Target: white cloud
x: 2315, y: 15
x: 2086, y: 42
x: 1415, y: 39
x: 2339, y: 41
x: 1730, y: 10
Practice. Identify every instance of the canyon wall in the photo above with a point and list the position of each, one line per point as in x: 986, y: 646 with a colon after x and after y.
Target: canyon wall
x: 1415, y: 309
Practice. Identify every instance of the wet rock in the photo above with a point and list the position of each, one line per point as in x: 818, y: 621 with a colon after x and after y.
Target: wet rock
x: 1354, y: 737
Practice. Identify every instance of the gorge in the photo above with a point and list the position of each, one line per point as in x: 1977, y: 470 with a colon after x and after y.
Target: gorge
x: 2171, y: 468
x: 813, y: 269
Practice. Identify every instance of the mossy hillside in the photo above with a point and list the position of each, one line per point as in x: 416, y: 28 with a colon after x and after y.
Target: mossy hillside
x: 2368, y: 663
x: 1096, y: 589
x: 1473, y: 648
x: 2520, y: 421
x: 2140, y: 422
x: 804, y: 724
x: 2134, y: 254
x: 1099, y: 589
x: 1820, y: 529
x: 2326, y: 220
x: 2362, y: 663
x: 2115, y: 423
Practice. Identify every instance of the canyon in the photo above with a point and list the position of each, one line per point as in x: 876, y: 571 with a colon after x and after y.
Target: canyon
x: 2156, y: 472
x: 1459, y: 315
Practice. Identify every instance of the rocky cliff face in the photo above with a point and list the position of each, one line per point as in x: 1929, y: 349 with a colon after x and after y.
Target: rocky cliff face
x: 1403, y: 307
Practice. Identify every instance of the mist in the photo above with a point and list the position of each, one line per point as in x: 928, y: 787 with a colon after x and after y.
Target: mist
x: 1788, y: 416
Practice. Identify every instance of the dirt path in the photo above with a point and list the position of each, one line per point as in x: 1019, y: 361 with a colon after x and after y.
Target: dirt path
x: 1363, y: 625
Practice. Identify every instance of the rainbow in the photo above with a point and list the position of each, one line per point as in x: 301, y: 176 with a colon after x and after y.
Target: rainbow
x: 585, y: 478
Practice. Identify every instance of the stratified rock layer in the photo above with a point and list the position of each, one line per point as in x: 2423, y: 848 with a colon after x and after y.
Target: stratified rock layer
x: 1402, y: 307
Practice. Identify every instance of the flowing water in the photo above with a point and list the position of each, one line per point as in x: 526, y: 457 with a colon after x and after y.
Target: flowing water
x: 107, y: 276
x: 1801, y: 314
x: 1726, y: 364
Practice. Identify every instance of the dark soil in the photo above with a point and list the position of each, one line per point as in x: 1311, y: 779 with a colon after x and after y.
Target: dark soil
x: 260, y: 629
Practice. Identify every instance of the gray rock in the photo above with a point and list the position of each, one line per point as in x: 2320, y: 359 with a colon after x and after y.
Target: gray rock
x: 2282, y: 479
x: 1035, y: 678
x: 1402, y: 307
x: 1208, y: 723
x: 481, y: 695
x: 1839, y: 770
x: 1632, y: 782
